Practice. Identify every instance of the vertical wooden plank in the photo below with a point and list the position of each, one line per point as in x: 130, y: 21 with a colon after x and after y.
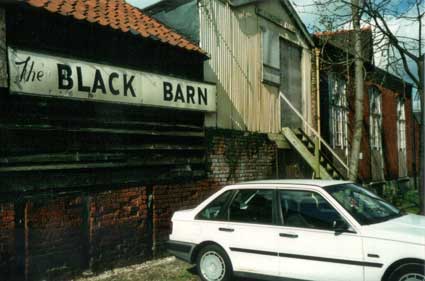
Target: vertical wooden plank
x: 3, y: 50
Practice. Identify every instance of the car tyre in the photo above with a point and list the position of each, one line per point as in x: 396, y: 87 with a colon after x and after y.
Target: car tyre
x: 213, y: 264
x: 408, y: 272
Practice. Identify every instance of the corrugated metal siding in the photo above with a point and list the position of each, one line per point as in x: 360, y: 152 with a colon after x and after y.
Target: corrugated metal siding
x: 243, y: 101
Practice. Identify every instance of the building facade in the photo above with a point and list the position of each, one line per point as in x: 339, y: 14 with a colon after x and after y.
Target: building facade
x: 390, y: 133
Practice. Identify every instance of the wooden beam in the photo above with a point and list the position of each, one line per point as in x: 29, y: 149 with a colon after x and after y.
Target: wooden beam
x: 280, y: 140
x: 46, y: 127
x: 97, y: 156
x: 3, y: 50
x: 101, y: 165
x: 91, y: 180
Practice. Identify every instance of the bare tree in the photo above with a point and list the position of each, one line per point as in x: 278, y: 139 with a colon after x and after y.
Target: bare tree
x: 359, y: 88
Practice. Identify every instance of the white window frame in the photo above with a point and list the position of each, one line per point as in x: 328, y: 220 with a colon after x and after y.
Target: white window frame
x: 401, y: 125
x: 338, y: 112
x: 375, y: 118
x: 270, y: 56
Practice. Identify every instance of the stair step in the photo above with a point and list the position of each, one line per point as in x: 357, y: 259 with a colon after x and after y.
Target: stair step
x: 304, y: 151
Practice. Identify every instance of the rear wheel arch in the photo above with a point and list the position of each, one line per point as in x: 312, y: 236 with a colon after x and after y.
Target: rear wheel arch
x: 397, y: 264
x: 198, y: 247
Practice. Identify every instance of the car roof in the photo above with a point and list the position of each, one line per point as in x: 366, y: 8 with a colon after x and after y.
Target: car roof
x: 318, y: 183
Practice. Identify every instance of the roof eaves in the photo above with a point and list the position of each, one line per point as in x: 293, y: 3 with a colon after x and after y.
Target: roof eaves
x: 293, y: 13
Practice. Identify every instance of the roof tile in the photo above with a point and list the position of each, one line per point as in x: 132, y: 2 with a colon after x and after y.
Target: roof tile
x: 37, y: 3
x: 119, y: 15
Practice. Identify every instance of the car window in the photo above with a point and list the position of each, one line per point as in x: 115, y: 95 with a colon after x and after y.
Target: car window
x: 308, y: 210
x: 216, y: 209
x: 363, y: 205
x: 252, y: 206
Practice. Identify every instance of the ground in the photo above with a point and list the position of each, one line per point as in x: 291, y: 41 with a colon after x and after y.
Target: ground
x: 166, y: 269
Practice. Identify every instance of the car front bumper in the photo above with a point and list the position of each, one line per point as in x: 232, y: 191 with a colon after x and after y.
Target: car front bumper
x: 181, y: 250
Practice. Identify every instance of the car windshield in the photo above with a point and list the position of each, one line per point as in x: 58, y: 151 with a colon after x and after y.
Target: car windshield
x: 363, y: 205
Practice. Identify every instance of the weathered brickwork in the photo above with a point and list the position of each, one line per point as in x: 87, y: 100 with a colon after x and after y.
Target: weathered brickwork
x: 169, y: 198
x: 62, y: 235
x: 118, y: 227
x: 389, y: 134
x: 7, y: 239
x: 53, y: 236
x: 237, y: 156
x: 232, y: 157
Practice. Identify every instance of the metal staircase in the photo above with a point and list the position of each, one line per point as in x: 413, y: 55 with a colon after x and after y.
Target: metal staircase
x: 316, y: 159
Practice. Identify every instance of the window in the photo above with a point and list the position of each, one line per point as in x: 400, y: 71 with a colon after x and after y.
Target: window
x: 375, y: 119
x: 271, y: 60
x: 216, y: 209
x: 339, y: 112
x: 401, y: 125
x: 252, y: 206
x: 363, y: 205
x: 307, y: 209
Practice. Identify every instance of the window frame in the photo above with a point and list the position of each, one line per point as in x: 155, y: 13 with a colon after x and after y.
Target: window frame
x: 401, y: 126
x: 226, y: 204
x: 275, y: 221
x: 350, y: 230
x: 375, y: 118
x: 337, y: 90
x: 270, y: 73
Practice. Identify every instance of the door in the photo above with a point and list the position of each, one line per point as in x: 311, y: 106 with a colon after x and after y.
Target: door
x: 309, y: 247
x: 243, y: 222
x: 290, y: 83
x: 253, y: 244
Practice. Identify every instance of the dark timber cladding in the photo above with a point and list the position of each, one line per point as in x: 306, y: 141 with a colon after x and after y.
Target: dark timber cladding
x: 79, y: 143
x: 81, y: 149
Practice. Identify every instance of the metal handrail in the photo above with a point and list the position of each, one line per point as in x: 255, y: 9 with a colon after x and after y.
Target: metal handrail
x: 322, y: 141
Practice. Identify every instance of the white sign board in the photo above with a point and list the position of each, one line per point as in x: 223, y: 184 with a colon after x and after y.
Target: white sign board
x: 45, y: 75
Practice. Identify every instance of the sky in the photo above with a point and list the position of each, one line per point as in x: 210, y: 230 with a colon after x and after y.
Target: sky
x: 142, y: 3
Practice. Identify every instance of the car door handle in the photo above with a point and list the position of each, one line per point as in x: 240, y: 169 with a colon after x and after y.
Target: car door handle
x: 288, y: 235
x: 226, y: 229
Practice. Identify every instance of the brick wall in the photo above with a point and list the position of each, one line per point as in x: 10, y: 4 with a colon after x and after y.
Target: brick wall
x: 53, y: 234
x: 7, y: 239
x: 118, y: 228
x: 233, y: 156
x: 64, y: 234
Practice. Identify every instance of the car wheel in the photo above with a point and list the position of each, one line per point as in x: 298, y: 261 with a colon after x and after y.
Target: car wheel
x: 213, y: 264
x: 408, y: 272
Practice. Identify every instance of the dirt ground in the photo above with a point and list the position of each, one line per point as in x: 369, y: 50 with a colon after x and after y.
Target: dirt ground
x: 167, y: 269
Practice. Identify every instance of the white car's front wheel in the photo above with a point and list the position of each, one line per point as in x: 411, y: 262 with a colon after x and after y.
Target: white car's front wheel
x: 408, y: 272
x: 213, y: 264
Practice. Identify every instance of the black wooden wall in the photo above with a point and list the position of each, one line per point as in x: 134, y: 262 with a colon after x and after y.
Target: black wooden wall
x: 57, y: 143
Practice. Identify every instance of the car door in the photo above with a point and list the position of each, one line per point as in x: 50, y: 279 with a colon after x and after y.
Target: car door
x: 309, y: 247
x: 244, y: 223
x: 252, y: 218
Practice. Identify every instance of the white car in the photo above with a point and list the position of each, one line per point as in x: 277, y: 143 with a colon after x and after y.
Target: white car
x: 300, y: 230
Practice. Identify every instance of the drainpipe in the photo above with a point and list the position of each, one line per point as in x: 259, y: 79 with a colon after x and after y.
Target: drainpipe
x: 317, y: 50
x: 317, y: 141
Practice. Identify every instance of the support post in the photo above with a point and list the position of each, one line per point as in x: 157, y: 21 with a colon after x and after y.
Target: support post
x: 317, y: 156
x: 317, y: 51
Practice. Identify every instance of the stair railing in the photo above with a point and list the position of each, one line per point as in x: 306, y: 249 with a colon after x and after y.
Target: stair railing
x: 320, y: 141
